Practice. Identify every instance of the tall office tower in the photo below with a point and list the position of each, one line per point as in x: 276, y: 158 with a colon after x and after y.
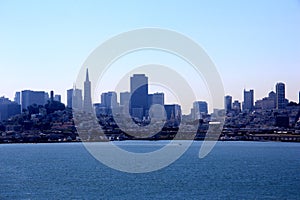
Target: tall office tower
x: 139, y: 95
x: 280, y: 96
x: 228, y: 103
x: 124, y: 98
x: 29, y: 97
x: 199, y: 108
x: 248, y: 100
x: 74, y: 98
x: 87, y: 100
x: 17, y: 98
x: 109, y: 99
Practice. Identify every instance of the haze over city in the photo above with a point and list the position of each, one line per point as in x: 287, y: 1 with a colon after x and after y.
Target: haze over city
x: 255, y: 46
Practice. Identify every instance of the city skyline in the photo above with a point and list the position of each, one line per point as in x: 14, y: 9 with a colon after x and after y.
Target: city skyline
x: 80, y: 99
x: 249, y: 42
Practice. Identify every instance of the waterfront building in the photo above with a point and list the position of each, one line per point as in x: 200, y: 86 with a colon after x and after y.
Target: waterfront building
x: 282, y: 121
x: 74, y: 98
x: 29, y: 98
x: 87, y: 100
x: 8, y: 108
x: 228, y: 103
x: 248, y: 100
x: 139, y: 96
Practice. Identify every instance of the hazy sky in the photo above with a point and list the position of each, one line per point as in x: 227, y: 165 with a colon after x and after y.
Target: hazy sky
x: 254, y: 44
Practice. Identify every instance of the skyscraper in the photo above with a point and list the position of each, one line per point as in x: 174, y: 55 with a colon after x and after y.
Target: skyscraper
x: 74, y: 98
x: 29, y: 98
x: 124, y: 98
x: 57, y: 97
x: 87, y: 100
x: 200, y: 108
x: 236, y: 105
x: 173, y: 113
x: 156, y: 98
x: 139, y: 95
x: 248, y: 100
x: 109, y: 99
x: 228, y: 103
x: 280, y: 96
x: 17, y: 98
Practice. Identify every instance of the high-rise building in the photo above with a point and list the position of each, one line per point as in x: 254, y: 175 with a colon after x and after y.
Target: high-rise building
x: 139, y: 95
x: 29, y: 98
x: 17, y: 98
x: 87, y: 100
x: 156, y: 98
x: 124, y: 98
x: 8, y: 108
x: 109, y: 99
x: 57, y: 97
x: 74, y: 98
x: 280, y: 96
x: 248, y: 100
x: 228, y: 103
x: 173, y: 112
x: 200, y: 108
x: 267, y: 103
x: 236, y: 105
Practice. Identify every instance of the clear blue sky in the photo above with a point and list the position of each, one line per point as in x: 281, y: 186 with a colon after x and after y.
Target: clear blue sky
x: 254, y: 44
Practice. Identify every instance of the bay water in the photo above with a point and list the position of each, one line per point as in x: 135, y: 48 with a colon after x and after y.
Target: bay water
x: 232, y: 170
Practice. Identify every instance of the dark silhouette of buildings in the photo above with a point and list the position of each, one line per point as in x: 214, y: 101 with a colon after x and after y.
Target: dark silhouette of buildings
x: 280, y: 96
x: 228, y: 103
x: 17, y: 98
x: 139, y: 96
x: 8, y: 108
x: 29, y: 98
x: 248, y: 100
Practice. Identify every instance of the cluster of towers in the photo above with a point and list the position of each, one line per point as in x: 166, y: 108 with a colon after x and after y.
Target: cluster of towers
x: 275, y: 100
x: 137, y: 101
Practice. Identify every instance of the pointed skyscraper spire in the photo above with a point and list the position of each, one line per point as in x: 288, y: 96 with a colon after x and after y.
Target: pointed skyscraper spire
x: 87, y: 75
x: 87, y: 101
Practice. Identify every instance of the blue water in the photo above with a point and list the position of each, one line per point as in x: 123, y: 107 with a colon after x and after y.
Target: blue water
x: 233, y: 170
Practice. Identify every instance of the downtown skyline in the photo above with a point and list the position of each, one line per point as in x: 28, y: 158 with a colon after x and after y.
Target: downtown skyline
x: 250, y: 104
x: 44, y: 44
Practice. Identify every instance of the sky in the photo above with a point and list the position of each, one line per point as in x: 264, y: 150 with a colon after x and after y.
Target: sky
x: 253, y: 44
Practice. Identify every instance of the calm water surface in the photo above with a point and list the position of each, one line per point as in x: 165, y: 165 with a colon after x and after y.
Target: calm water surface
x: 233, y: 170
